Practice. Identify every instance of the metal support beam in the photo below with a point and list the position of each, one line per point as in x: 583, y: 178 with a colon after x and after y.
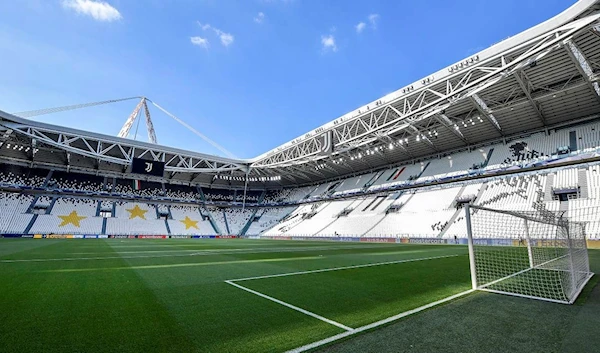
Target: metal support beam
x: 583, y: 66
x: 526, y: 87
x: 487, y: 112
x: 452, y: 127
x: 421, y: 136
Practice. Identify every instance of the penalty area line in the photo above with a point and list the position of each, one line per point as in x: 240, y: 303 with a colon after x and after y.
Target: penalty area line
x: 293, y: 307
x: 377, y: 324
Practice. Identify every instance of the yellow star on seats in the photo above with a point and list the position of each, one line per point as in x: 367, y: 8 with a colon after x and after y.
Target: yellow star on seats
x: 136, y: 212
x: 189, y: 223
x: 72, y: 218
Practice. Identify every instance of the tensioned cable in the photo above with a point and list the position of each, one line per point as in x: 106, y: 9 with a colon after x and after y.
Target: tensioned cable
x: 202, y: 136
x: 32, y: 113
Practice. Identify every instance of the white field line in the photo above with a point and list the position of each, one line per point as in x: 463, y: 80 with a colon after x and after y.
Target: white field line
x: 343, y: 268
x: 232, y: 251
x: 378, y: 323
x: 349, y: 330
x: 320, y: 246
x: 306, y: 312
x: 92, y: 258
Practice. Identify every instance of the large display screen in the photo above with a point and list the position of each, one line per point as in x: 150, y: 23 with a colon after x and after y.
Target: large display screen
x: 142, y: 166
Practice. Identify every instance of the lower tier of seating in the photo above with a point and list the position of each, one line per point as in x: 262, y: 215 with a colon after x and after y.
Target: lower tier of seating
x: 433, y: 212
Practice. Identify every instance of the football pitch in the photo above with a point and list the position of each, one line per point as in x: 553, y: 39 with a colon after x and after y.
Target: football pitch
x: 238, y: 295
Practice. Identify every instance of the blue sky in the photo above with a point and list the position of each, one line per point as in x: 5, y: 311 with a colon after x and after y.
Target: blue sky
x: 249, y: 74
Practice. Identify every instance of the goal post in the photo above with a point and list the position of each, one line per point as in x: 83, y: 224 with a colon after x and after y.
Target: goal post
x: 534, y: 254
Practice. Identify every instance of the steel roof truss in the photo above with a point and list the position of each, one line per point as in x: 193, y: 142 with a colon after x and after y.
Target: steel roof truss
x: 102, y: 148
x: 423, y: 103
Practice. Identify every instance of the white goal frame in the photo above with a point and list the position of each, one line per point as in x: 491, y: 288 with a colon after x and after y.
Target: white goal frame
x: 554, y: 268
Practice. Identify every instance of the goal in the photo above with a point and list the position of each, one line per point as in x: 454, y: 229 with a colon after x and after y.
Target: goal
x: 537, y: 254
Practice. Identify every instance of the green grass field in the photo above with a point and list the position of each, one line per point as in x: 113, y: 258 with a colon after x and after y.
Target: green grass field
x: 122, y: 295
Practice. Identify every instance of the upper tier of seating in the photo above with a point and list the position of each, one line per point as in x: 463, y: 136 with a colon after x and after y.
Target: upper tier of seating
x: 84, y: 182
x: 17, y: 175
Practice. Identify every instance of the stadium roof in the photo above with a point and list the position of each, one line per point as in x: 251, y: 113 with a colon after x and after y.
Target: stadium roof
x: 544, y: 77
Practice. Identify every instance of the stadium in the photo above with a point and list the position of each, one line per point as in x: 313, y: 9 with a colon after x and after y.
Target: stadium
x: 460, y: 213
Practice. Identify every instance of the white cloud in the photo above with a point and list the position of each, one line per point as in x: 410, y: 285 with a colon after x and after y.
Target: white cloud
x: 328, y: 42
x: 199, y: 41
x: 226, y: 38
x: 204, y: 27
x: 360, y: 27
x: 373, y: 18
x: 99, y: 10
x: 259, y: 18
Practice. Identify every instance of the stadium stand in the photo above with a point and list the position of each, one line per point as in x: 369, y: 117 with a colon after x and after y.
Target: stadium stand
x: 420, y: 213
x: 325, y: 215
x: 135, y: 218
x: 514, y: 193
x: 14, y: 218
x: 137, y: 188
x: 267, y: 218
x: 566, y: 179
x: 82, y: 182
x: 17, y: 175
x: 287, y: 195
x: 458, y: 162
x: 423, y: 212
x: 252, y: 196
x: 237, y: 219
x: 181, y: 192
x: 69, y: 215
x: 356, y: 183
x: 294, y: 218
x: 218, y: 194
x: 188, y: 220
x: 365, y: 215
x: 231, y: 220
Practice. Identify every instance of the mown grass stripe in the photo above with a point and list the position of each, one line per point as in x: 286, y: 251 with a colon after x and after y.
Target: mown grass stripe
x: 192, y: 264
x: 199, y: 252
x: 341, y: 268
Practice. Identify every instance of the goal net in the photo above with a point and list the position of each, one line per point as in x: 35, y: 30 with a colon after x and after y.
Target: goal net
x: 539, y: 255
